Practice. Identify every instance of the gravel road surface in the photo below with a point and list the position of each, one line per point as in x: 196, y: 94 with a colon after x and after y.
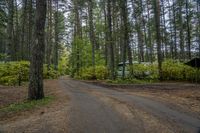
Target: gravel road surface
x: 95, y: 109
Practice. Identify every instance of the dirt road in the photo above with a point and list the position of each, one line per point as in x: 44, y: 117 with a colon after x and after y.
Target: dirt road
x: 82, y: 107
x: 97, y: 109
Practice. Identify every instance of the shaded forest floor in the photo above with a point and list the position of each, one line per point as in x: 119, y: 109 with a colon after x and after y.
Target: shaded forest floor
x: 38, y: 118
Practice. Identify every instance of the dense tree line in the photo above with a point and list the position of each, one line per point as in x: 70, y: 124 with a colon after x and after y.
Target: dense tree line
x: 17, y: 27
x: 99, y: 32
x: 32, y: 30
x: 134, y: 30
x: 117, y: 30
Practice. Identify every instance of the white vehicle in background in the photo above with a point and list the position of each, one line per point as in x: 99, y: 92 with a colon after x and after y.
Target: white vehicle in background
x: 120, y: 68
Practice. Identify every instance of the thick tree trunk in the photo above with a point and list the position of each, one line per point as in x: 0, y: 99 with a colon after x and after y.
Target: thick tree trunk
x: 37, y: 53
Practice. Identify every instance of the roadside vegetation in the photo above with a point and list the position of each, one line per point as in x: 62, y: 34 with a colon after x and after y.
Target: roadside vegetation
x: 146, y: 73
x: 26, y: 105
x: 15, y: 73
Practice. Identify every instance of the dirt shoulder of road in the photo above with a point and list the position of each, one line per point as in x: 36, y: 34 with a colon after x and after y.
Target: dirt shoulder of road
x: 37, y: 119
x: 184, y: 97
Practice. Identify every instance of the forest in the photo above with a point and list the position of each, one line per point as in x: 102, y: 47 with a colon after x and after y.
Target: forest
x: 99, y: 66
x: 120, y: 41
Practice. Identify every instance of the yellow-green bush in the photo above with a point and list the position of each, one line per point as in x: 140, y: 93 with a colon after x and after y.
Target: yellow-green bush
x: 9, y: 80
x: 51, y: 73
x: 174, y: 70
x: 101, y: 73
x: 11, y: 73
x: 171, y: 70
x: 87, y: 73
x: 143, y: 71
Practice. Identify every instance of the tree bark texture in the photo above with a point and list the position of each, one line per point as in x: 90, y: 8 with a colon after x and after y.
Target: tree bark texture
x: 37, y: 53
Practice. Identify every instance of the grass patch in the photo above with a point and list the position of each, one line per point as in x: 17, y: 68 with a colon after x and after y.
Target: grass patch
x: 26, y: 105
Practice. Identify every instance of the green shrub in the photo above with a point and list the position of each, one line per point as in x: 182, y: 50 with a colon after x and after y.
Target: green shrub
x: 143, y: 71
x: 9, y: 80
x: 171, y: 70
x: 13, y: 73
x: 101, y: 73
x: 175, y: 70
x: 87, y: 73
x: 51, y: 73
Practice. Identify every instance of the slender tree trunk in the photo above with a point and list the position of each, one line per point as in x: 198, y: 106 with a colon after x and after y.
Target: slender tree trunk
x: 37, y: 53
x: 77, y: 36
x: 124, y: 12
x: 175, y: 34
x: 49, y: 38
x: 24, y: 16
x: 106, y: 37
x: 198, y: 29
x: 16, y: 44
x: 92, y: 34
x: 10, y: 27
x: 157, y: 23
x: 30, y: 27
x: 164, y: 28
x: 138, y: 26
x: 145, y: 37
x: 140, y: 40
x: 171, y: 31
x: 114, y: 27
x: 150, y: 45
x: 110, y: 40
x: 188, y: 29
x: 181, y: 35
x: 56, y: 37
